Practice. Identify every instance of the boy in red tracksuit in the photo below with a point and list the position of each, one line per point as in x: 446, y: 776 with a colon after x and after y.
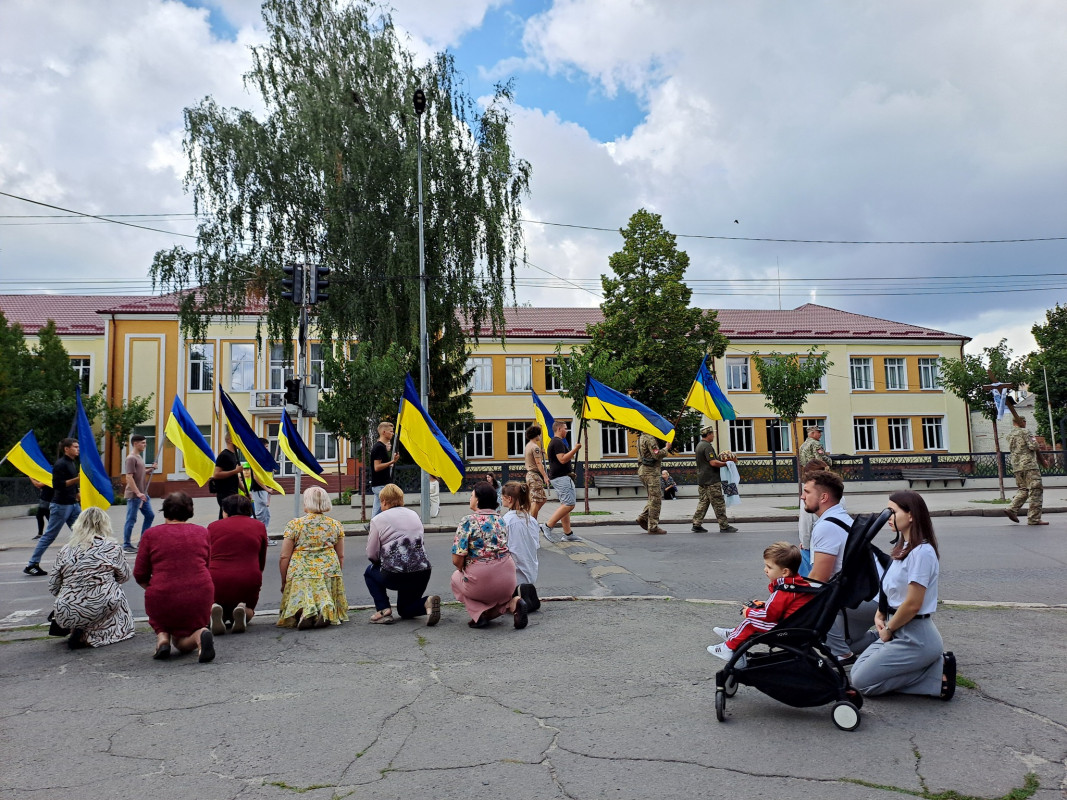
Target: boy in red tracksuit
x: 781, y: 563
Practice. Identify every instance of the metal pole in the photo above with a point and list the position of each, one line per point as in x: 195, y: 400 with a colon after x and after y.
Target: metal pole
x: 301, y: 371
x: 424, y: 339
x: 1048, y: 402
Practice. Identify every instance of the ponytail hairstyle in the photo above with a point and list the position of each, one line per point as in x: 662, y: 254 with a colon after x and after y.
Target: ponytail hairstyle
x: 519, y: 493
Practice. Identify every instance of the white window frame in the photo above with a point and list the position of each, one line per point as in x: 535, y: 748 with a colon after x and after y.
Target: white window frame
x: 900, y: 433
x: 613, y: 440
x: 742, y: 434
x: 517, y: 439
x: 482, y: 376
x: 281, y: 370
x: 317, y: 366
x: 897, y: 370
x: 863, y: 368
x: 83, y: 366
x: 822, y: 380
x: 785, y: 435
x: 478, y: 442
x: 686, y: 445
x: 870, y: 429
x: 553, y: 374
x: 325, y: 442
x: 738, y: 374
x: 518, y: 373
x: 242, y: 370
x: 149, y: 433
x: 930, y: 374
x: 202, y: 368
x: 934, y: 427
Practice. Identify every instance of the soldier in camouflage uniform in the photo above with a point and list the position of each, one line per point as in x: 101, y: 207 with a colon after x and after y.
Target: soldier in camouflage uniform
x: 709, y: 485
x: 812, y: 448
x: 1027, y: 471
x: 649, y: 458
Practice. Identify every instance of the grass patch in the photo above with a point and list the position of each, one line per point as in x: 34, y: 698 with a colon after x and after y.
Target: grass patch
x: 422, y: 640
x: 590, y: 513
x: 302, y: 789
x: 789, y: 508
x: 353, y: 521
x: 996, y: 502
x: 966, y: 683
x: 1030, y: 785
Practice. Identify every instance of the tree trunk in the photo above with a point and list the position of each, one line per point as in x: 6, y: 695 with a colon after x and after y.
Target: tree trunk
x: 796, y: 449
x: 585, y: 467
x: 1000, y: 461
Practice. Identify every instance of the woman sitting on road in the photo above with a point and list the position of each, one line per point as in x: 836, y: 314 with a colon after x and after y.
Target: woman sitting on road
x: 484, y: 580
x: 238, y: 555
x: 908, y: 656
x: 524, y: 539
x: 172, y: 566
x: 313, y: 552
x: 85, y: 580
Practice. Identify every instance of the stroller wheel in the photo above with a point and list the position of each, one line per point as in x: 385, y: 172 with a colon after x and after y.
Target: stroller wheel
x: 845, y: 716
x: 720, y: 705
x: 730, y: 686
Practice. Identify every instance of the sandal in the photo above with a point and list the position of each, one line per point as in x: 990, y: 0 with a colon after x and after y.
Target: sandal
x: 383, y: 617
x: 948, y: 678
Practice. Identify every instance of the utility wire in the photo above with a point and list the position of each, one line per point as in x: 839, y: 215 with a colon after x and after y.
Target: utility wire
x: 95, y: 216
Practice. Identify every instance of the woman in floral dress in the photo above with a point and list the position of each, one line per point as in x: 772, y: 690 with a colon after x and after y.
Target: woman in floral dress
x: 484, y: 580
x: 313, y: 588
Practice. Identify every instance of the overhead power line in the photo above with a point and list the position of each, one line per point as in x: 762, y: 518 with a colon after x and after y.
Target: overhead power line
x: 96, y: 216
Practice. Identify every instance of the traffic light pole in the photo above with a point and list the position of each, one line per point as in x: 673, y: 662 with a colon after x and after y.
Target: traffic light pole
x: 302, y: 365
x: 424, y: 340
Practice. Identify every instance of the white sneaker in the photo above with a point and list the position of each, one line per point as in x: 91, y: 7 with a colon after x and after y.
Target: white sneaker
x: 725, y: 653
x: 722, y: 632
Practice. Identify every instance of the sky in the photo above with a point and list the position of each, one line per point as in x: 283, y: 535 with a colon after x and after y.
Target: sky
x: 738, y: 122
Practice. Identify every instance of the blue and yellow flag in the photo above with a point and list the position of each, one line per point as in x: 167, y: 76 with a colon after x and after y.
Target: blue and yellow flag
x: 295, y: 449
x: 259, y: 458
x: 95, y: 485
x: 544, y: 419
x: 604, y: 403
x: 27, y: 458
x: 424, y: 441
x: 707, y: 398
x: 186, y: 437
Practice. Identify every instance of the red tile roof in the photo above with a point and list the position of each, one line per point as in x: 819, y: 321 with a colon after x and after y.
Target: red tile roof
x: 73, y: 314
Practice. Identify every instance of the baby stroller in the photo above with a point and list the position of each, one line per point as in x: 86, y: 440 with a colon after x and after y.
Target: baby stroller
x: 798, y: 669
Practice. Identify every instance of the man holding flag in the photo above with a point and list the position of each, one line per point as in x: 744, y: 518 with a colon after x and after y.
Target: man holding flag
x: 64, y: 508
x: 649, y: 459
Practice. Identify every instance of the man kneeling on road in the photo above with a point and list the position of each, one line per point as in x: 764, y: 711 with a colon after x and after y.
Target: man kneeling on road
x: 709, y: 484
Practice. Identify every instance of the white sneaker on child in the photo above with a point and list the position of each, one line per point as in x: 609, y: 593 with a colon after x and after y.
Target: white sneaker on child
x: 725, y: 653
x: 722, y: 632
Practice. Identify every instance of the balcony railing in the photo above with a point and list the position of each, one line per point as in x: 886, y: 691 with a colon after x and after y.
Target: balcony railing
x: 261, y: 401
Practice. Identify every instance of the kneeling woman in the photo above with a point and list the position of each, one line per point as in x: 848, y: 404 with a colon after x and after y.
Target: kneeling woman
x: 238, y: 556
x: 908, y: 655
x: 484, y: 580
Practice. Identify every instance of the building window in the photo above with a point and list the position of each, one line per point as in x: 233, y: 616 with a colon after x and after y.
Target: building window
x: 686, y: 444
x: 480, y: 441
x: 553, y: 375
x: 822, y: 380
x: 285, y: 466
x: 325, y: 446
x: 737, y: 375
x: 896, y: 374
x: 613, y: 441
x: 742, y: 436
x: 242, y: 367
x: 519, y: 374
x: 933, y: 433
x: 149, y: 433
x: 899, y: 433
x: 482, y: 374
x: 862, y: 374
x: 778, y: 438
x: 929, y: 374
x: 865, y: 433
x: 81, y: 367
x: 517, y: 439
x: 281, y: 369
x: 201, y: 367
x: 315, y: 367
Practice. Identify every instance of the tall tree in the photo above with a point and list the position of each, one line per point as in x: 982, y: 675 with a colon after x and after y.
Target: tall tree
x: 649, y: 326
x: 14, y: 367
x: 965, y: 378
x: 326, y: 176
x: 1049, y: 360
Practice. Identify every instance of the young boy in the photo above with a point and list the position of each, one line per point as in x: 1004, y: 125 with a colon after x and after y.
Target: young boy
x: 781, y: 563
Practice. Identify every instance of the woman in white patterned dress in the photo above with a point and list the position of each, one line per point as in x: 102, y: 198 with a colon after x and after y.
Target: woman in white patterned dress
x: 85, y: 582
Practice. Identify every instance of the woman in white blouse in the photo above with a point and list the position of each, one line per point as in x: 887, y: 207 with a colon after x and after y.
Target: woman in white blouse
x: 909, y: 655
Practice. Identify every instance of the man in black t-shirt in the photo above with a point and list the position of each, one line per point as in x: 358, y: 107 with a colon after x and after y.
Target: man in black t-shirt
x: 381, y: 464
x: 560, y: 455
x: 228, y: 473
x: 64, y: 508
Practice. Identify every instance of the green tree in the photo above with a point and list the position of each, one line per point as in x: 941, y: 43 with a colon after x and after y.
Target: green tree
x: 1050, y: 359
x: 327, y: 175
x: 649, y: 326
x: 965, y: 378
x: 14, y: 366
x: 121, y: 419
x: 787, y: 381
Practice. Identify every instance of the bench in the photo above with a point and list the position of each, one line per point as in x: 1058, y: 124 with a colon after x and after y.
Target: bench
x: 618, y: 483
x: 931, y: 474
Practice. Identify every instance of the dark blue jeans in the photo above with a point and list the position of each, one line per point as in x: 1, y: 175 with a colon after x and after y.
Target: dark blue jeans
x: 408, y: 586
x: 58, y: 516
x: 133, y: 504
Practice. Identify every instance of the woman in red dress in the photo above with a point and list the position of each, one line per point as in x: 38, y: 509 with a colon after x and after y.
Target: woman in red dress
x: 238, y: 555
x: 172, y: 566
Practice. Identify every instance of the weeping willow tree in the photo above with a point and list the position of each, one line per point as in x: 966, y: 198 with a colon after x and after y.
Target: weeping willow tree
x: 326, y: 175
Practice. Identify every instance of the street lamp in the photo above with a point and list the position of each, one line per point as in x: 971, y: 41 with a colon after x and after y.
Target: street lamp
x: 419, y: 102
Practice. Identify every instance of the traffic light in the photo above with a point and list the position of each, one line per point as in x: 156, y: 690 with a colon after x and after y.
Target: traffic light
x: 292, y: 391
x: 293, y: 283
x: 320, y: 282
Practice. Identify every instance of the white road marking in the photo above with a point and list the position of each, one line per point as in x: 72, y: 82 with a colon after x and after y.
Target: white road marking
x: 18, y: 617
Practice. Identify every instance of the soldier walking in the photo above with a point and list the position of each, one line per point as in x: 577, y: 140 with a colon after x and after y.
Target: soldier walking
x: 1027, y: 471
x: 812, y: 449
x: 649, y: 459
x: 709, y: 484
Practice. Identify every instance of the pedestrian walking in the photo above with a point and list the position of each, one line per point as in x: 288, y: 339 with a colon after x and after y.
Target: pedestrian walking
x: 536, y: 477
x: 559, y: 476
x: 64, y: 508
x: 812, y: 448
x: 44, y: 500
x: 136, y: 491
x: 649, y: 459
x: 709, y: 483
x: 1027, y: 469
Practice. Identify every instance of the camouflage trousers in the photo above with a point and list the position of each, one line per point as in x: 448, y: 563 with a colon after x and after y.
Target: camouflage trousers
x: 711, y: 495
x: 650, y: 513
x: 1029, y: 483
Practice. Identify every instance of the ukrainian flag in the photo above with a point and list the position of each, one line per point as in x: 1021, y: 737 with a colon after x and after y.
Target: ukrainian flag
x: 604, y: 403
x: 295, y: 449
x: 186, y: 437
x: 425, y: 442
x: 27, y: 458
x: 707, y: 398
x: 544, y: 419
x: 259, y: 458
x: 95, y: 485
